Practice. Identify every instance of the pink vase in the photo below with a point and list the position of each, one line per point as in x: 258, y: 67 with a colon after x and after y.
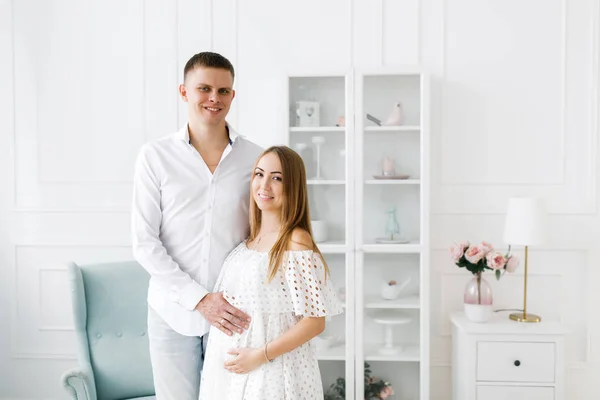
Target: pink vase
x: 478, y: 299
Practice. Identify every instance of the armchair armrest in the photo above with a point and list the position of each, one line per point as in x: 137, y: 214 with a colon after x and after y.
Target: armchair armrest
x: 79, y: 384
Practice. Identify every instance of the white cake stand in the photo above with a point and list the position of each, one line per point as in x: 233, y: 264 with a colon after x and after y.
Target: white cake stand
x: 389, y: 318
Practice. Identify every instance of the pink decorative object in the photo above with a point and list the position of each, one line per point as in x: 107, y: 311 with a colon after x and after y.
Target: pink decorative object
x: 396, y: 116
x: 478, y: 291
x: 487, y: 247
x: 388, y: 167
x: 476, y: 259
x: 481, y: 257
x: 456, y: 252
x: 495, y: 260
x: 512, y: 264
x: 478, y: 299
x: 475, y: 253
x: 386, y: 392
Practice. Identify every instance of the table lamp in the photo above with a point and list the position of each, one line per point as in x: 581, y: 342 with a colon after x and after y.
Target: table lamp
x: 524, y: 227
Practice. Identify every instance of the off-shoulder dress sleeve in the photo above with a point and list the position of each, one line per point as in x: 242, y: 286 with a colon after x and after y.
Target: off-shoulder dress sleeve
x: 313, y: 294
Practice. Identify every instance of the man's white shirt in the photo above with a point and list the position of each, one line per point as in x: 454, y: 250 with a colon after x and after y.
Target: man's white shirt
x: 186, y: 220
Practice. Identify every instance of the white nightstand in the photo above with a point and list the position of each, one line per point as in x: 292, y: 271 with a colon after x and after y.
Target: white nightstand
x: 507, y: 360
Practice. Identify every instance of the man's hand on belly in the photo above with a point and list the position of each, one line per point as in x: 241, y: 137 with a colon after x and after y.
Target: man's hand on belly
x: 222, y: 315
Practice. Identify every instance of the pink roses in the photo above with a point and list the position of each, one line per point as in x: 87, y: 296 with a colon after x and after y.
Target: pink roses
x: 478, y: 258
x: 386, y: 392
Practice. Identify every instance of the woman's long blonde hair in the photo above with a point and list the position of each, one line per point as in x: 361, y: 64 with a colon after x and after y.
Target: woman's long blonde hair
x: 294, y: 211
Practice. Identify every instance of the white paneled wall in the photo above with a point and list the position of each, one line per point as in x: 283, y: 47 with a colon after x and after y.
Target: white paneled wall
x: 83, y: 84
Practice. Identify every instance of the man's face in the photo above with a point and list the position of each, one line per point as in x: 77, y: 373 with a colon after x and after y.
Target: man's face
x: 209, y: 93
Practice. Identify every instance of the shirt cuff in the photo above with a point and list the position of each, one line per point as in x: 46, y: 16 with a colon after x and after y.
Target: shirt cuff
x: 191, y: 295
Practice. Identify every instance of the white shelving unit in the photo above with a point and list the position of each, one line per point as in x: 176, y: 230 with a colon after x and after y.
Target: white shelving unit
x: 353, y: 202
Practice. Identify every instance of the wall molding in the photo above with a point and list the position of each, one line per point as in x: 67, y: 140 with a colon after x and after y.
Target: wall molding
x: 564, y: 31
x: 43, y: 327
x: 14, y: 301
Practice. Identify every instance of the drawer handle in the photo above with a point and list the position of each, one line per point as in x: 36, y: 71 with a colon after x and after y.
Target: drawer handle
x: 517, y: 363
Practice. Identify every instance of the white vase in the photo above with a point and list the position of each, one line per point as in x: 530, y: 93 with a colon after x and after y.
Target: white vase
x: 478, y: 299
x: 478, y: 312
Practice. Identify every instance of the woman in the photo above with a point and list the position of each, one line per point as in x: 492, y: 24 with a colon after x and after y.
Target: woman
x: 279, y: 278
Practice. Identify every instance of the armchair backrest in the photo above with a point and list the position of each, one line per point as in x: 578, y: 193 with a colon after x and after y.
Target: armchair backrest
x: 110, y: 312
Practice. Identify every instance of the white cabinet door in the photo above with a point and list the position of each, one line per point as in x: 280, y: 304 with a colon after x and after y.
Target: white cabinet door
x: 514, y: 393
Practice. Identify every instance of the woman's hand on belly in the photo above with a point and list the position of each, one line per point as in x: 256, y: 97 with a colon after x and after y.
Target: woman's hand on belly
x: 245, y: 360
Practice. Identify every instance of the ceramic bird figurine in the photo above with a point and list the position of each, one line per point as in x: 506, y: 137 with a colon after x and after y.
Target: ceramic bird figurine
x: 396, y: 116
x: 391, y: 290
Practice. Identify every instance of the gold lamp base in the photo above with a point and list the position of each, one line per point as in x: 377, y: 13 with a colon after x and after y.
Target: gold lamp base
x: 521, y: 317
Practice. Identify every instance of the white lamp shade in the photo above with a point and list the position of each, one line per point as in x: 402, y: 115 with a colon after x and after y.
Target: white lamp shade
x: 525, y: 221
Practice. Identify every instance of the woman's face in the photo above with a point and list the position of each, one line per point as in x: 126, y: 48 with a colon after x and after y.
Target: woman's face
x: 267, y: 183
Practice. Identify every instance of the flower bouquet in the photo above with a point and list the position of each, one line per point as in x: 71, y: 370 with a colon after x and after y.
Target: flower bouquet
x: 375, y: 389
x: 477, y: 259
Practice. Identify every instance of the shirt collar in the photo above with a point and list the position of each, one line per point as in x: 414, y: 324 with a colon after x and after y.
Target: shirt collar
x: 184, y: 134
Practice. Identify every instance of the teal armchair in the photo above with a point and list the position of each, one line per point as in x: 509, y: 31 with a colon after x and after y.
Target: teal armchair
x: 110, y: 312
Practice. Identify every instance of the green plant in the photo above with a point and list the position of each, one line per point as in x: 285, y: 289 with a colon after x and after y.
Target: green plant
x: 374, y: 388
x: 337, y: 390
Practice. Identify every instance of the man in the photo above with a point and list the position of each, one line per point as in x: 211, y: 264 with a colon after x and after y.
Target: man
x: 190, y: 209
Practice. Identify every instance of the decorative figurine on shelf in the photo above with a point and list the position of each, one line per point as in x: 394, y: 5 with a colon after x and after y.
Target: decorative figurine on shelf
x: 318, y: 141
x: 391, y: 290
x: 392, y: 227
x: 387, y: 167
x: 392, y: 230
x: 341, y: 121
x: 396, y: 117
x: 307, y: 113
x: 388, y: 170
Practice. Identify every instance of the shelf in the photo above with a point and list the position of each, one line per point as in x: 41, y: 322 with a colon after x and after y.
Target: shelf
x: 392, y: 248
x: 332, y: 247
x: 410, y: 353
x: 351, y: 200
x: 335, y: 353
x: 407, y: 128
x: 408, y: 302
x: 324, y: 182
x: 317, y: 128
x: 392, y: 182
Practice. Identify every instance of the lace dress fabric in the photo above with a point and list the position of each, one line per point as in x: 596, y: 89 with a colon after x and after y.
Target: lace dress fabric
x: 299, y: 290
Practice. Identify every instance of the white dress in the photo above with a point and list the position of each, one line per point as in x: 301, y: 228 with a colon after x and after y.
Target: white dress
x: 300, y: 289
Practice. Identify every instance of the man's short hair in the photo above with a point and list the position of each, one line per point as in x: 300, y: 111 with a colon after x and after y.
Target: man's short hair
x: 208, y: 59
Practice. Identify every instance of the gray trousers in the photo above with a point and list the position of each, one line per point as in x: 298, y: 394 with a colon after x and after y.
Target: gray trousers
x: 177, y: 360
